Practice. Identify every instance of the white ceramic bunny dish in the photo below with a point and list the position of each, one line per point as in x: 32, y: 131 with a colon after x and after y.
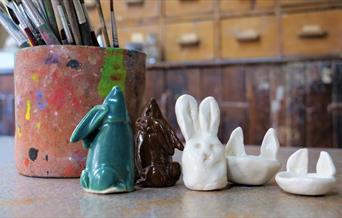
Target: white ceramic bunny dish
x: 297, y: 180
x: 203, y: 163
x: 249, y: 169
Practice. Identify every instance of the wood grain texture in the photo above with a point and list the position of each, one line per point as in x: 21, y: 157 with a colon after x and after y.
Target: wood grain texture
x: 295, y: 103
x: 258, y: 97
x: 318, y: 97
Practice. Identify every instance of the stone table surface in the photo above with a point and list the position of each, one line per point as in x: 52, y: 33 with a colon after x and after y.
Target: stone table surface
x: 22, y: 196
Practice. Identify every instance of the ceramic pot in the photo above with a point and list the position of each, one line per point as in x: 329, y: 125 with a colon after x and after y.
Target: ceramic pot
x: 55, y: 86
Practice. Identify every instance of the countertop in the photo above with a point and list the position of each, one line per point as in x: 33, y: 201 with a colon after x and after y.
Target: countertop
x: 22, y: 196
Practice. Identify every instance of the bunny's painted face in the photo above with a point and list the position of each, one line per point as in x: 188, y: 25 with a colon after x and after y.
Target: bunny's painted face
x: 205, y: 150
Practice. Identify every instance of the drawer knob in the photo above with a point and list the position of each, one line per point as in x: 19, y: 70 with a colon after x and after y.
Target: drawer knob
x: 248, y: 35
x: 189, y: 39
x: 134, y: 2
x: 312, y: 31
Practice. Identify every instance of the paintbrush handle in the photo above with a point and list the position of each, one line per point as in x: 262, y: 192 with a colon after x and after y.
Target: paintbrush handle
x: 64, y: 21
x: 114, y: 31
x: 83, y: 23
x: 70, y: 11
x: 103, y: 23
x: 51, y: 16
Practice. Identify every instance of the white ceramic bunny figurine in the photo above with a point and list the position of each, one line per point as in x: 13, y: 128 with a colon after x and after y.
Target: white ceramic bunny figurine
x: 203, y: 162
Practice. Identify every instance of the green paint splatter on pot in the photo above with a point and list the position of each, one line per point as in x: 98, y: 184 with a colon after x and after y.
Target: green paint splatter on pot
x: 113, y: 72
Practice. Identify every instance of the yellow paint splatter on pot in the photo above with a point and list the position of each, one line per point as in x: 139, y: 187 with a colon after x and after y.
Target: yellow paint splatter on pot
x: 38, y: 125
x: 19, y: 132
x: 35, y: 77
x: 28, y: 110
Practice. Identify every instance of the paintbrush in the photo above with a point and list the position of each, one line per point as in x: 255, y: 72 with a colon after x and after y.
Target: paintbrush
x: 64, y: 22
x: 43, y: 28
x: 70, y: 12
x: 21, y: 22
x: 30, y: 24
x: 103, y: 23
x: 113, y: 23
x: 51, y: 16
x: 13, y: 30
x: 83, y: 23
x: 92, y: 32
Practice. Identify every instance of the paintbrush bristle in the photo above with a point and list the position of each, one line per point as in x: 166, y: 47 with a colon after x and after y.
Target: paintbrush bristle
x: 111, y: 5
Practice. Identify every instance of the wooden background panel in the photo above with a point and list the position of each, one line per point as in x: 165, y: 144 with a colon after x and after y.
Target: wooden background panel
x: 337, y: 101
x: 258, y: 96
x: 231, y: 118
x: 278, y: 104
x: 211, y: 83
x: 318, y: 97
x: 234, y: 84
x: 295, y: 103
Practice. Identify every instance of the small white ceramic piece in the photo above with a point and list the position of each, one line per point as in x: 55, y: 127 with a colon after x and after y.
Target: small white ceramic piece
x: 297, y: 180
x: 203, y: 162
x: 249, y: 169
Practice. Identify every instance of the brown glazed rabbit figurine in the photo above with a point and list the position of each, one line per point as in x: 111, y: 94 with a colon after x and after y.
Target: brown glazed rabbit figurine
x: 155, y: 143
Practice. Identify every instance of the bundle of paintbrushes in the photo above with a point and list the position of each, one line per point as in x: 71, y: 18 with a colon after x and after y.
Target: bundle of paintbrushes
x: 54, y: 22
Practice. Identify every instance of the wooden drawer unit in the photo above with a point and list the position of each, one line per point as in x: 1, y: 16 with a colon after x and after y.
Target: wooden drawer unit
x: 314, y: 33
x: 186, y: 7
x: 130, y: 34
x: 235, y: 6
x: 249, y: 37
x: 126, y: 10
x: 189, y: 41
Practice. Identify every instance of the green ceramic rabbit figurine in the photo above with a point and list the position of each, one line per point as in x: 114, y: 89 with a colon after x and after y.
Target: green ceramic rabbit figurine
x: 106, y: 132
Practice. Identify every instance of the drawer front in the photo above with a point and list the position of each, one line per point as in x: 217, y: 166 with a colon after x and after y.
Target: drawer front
x: 136, y: 34
x: 186, y: 7
x: 235, y: 5
x: 265, y: 4
x: 303, y: 2
x: 315, y: 33
x: 126, y: 10
x: 249, y: 37
x: 189, y: 41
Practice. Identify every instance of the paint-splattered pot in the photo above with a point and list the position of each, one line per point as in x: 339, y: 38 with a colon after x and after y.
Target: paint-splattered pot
x: 54, y: 87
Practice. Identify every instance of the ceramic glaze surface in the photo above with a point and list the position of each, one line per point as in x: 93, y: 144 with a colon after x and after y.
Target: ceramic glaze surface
x: 203, y: 162
x: 106, y: 132
x: 155, y: 144
x: 249, y: 169
x: 297, y: 180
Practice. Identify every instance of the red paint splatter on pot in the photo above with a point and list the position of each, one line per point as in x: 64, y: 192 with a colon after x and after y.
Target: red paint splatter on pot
x: 26, y: 162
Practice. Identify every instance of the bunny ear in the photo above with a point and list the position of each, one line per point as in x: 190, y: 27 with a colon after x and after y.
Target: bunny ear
x: 90, y: 122
x: 187, y: 115
x: 270, y: 145
x: 325, y: 165
x: 209, y: 115
x: 298, y: 162
x: 235, y: 145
